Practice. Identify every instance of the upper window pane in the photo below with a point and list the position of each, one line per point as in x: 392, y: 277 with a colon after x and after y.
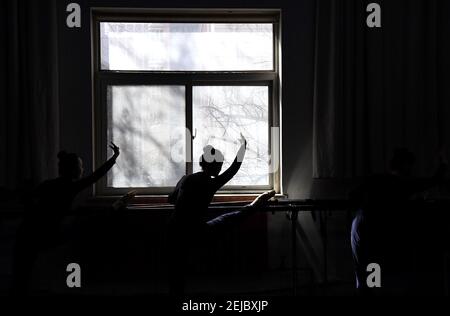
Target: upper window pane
x: 186, y: 46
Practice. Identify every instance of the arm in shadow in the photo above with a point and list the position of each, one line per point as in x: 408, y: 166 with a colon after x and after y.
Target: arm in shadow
x: 101, y: 171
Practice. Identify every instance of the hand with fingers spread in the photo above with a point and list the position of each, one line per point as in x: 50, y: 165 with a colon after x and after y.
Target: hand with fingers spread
x: 115, y: 149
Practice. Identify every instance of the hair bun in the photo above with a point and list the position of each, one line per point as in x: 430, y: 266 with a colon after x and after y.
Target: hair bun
x: 209, y: 150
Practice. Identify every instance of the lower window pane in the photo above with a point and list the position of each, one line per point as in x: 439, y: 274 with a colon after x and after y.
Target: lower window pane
x: 148, y: 124
x: 220, y: 114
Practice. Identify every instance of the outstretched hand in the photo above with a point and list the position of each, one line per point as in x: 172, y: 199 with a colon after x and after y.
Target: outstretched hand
x: 115, y: 149
x: 124, y: 200
x: 243, y: 141
x: 241, y: 153
x: 263, y: 198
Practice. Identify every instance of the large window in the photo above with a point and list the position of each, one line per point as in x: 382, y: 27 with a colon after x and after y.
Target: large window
x: 169, y: 83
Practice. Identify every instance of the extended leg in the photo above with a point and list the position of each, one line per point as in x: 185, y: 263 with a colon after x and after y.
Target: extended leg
x: 234, y: 217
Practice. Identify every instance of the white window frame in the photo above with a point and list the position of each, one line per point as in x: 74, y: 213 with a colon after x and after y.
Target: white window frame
x: 101, y: 79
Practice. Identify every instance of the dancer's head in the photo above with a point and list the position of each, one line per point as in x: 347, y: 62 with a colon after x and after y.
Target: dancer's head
x: 70, y: 165
x: 211, y: 161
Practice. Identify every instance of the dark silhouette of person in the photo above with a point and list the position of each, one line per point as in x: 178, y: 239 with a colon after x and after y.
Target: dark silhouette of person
x: 384, y: 224
x: 189, y: 225
x: 51, y: 201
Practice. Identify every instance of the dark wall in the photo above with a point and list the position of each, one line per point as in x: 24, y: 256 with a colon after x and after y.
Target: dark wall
x: 297, y: 80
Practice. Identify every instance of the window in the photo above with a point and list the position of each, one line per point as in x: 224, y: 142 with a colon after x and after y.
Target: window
x: 168, y: 83
x: 186, y: 46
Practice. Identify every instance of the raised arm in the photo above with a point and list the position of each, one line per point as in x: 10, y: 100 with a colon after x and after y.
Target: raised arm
x: 101, y: 171
x: 228, y: 174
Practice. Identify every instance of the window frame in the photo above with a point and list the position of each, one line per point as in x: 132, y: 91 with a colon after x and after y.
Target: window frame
x: 101, y: 79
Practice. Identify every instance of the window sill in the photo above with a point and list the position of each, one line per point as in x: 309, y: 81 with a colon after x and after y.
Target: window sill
x: 161, y: 200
